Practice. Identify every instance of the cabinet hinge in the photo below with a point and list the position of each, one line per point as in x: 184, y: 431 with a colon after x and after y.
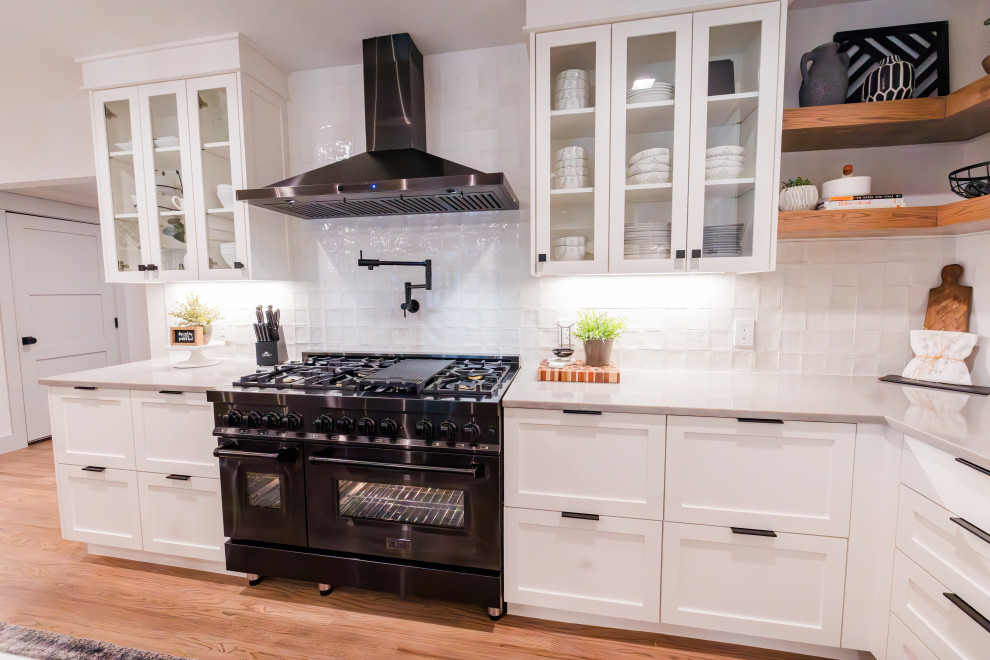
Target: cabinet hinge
x: 116, y: 322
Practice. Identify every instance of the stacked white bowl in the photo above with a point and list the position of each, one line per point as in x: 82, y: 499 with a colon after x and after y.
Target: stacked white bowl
x: 571, y: 90
x: 569, y: 248
x: 724, y: 162
x: 660, y: 91
x: 649, y: 166
x: 570, y: 168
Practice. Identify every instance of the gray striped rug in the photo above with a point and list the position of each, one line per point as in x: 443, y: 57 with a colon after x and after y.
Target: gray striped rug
x: 27, y: 643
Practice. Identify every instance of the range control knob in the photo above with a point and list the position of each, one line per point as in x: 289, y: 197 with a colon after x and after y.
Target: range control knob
x: 344, y: 425
x: 366, y: 426
x: 293, y: 421
x: 323, y: 424
x: 271, y: 420
x: 389, y: 428
x: 471, y: 433
x: 253, y: 419
x: 447, y: 431
x: 232, y: 418
x: 424, y: 430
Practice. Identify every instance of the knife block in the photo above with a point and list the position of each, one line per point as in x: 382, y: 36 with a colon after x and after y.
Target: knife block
x: 270, y: 353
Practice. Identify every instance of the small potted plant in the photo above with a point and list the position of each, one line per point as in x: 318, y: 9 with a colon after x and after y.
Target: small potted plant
x: 598, y: 330
x: 192, y: 312
x: 798, y: 194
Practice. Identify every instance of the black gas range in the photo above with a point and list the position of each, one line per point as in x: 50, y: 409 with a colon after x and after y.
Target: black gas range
x: 368, y: 470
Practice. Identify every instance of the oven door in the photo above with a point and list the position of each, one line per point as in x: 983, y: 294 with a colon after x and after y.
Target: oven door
x: 435, y: 507
x: 263, y: 490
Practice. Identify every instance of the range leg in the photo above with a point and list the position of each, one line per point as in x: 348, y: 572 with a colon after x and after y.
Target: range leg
x: 325, y: 589
x: 254, y: 579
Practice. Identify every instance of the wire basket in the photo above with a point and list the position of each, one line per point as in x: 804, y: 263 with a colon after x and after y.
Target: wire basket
x: 971, y: 181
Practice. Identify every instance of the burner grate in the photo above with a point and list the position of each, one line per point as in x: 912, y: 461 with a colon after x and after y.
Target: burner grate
x: 406, y: 375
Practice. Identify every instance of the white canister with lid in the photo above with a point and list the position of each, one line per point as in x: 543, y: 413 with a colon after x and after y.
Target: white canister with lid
x: 848, y: 185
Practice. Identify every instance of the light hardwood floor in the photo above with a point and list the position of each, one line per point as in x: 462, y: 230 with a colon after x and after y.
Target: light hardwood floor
x: 50, y: 584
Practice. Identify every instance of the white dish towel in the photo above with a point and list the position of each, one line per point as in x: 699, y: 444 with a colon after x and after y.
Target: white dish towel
x: 940, y: 356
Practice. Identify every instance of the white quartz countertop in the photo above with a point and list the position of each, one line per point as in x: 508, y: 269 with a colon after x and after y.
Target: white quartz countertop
x: 155, y: 375
x: 958, y: 423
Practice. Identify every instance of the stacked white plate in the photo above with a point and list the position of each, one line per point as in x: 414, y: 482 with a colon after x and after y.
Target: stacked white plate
x: 646, y: 240
x: 722, y: 241
x: 649, y: 166
x: 724, y: 162
x: 661, y: 91
x: 571, y: 90
x: 570, y: 168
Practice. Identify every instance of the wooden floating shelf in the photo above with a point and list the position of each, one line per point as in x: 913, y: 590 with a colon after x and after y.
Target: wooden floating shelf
x: 962, y: 115
x: 963, y: 217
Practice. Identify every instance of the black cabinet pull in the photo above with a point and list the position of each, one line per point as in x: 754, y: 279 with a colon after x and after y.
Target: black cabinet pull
x: 679, y: 254
x: 151, y: 267
x: 972, y: 529
x: 27, y: 341
x: 178, y: 477
x: 169, y: 392
x: 579, y: 516
x: 746, y: 531
x: 93, y: 468
x: 142, y: 267
x: 84, y: 387
x: 696, y: 254
x: 976, y: 467
x: 238, y: 264
x: 969, y: 611
x: 541, y: 257
x: 581, y: 412
x: 757, y: 420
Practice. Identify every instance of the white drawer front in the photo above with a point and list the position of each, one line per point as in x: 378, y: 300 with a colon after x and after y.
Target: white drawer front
x: 937, y: 475
x: 92, y: 427
x: 902, y: 644
x: 173, y: 433
x: 181, y: 517
x: 919, y: 601
x: 788, y: 587
x: 609, y: 566
x: 609, y: 464
x: 99, y: 507
x: 791, y: 477
x: 953, y: 550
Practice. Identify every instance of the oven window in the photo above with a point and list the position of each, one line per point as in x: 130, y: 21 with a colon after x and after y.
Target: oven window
x: 436, y: 507
x: 264, y: 490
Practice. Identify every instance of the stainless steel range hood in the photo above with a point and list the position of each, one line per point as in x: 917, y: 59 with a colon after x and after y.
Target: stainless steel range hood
x: 396, y: 176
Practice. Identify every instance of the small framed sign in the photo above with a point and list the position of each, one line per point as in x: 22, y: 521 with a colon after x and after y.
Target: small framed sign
x: 186, y: 335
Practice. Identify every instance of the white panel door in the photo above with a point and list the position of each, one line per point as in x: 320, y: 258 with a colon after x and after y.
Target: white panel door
x: 62, y: 302
x: 784, y: 587
x: 608, y: 464
x: 608, y: 566
x: 902, y: 644
x: 92, y: 427
x: 792, y: 477
x: 173, y: 433
x: 181, y: 515
x: 99, y: 505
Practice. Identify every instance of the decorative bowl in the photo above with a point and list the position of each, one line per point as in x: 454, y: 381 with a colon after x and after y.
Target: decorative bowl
x: 572, y: 152
x: 971, y: 181
x: 644, y: 168
x: 655, y: 152
x: 569, y: 240
x: 570, y: 104
x: 725, y: 161
x: 570, y: 83
x: 648, y: 177
x: 568, y: 252
x: 571, y: 171
x: 573, y: 73
x: 559, y: 182
x: 727, y: 150
x: 714, y: 173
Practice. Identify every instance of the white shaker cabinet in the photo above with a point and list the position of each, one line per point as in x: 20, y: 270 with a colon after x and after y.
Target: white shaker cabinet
x: 173, y: 433
x: 99, y: 505
x: 92, y: 426
x: 181, y: 515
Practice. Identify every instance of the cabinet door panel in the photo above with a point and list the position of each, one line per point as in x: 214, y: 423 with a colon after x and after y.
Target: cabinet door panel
x: 902, y: 644
x: 99, y: 506
x: 174, y: 433
x: 181, y: 517
x: 960, y: 488
x: 92, y: 427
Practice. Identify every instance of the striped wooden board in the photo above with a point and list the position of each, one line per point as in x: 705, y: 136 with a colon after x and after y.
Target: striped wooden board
x: 578, y: 372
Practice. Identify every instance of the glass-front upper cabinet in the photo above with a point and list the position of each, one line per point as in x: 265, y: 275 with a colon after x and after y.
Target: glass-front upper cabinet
x: 651, y: 113
x: 734, y: 164
x: 571, y: 175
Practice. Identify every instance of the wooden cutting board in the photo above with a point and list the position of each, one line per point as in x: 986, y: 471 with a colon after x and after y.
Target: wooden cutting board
x: 949, y: 303
x: 578, y: 372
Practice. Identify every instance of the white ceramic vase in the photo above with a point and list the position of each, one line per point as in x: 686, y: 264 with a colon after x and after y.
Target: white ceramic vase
x: 798, y: 198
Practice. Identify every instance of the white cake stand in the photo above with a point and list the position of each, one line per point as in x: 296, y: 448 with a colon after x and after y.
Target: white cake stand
x: 197, y: 355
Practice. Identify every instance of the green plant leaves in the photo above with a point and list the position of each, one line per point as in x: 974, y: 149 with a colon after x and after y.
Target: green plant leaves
x: 598, y: 325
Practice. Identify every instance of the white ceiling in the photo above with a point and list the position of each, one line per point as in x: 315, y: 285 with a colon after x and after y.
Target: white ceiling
x: 296, y: 34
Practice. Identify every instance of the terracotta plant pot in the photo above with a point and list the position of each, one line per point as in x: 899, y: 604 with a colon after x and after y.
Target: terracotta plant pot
x: 798, y: 198
x: 598, y: 352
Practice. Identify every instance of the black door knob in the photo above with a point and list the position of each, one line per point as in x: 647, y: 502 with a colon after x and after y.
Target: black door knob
x: 323, y: 424
x: 27, y: 341
x: 447, y: 431
x: 471, y: 432
x: 344, y: 425
x: 253, y: 419
x: 366, y: 426
x: 389, y: 428
x: 293, y: 421
x: 233, y: 418
x: 424, y: 429
x: 271, y: 420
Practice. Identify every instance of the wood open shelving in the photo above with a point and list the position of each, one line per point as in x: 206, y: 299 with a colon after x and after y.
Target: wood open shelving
x: 962, y: 115
x: 963, y: 217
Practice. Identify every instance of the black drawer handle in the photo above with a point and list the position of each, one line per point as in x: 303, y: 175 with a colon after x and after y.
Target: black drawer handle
x: 972, y: 529
x: 582, y: 412
x: 170, y: 392
x: 579, y: 516
x: 27, y: 341
x: 93, y: 468
x: 178, y: 477
x: 969, y: 611
x: 757, y: 420
x: 976, y: 467
x: 746, y: 531
x: 83, y: 387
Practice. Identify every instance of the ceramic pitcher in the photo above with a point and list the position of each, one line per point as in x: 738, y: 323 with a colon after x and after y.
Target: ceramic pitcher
x: 827, y: 81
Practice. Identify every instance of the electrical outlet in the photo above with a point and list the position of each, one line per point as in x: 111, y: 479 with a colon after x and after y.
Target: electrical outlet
x: 223, y: 332
x: 745, y: 329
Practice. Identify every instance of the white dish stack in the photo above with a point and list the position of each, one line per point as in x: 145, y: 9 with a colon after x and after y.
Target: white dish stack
x: 649, y: 166
x: 724, y: 162
x: 571, y: 90
x: 570, y: 168
x: 722, y: 241
x: 569, y: 248
x: 647, y: 240
x: 660, y: 91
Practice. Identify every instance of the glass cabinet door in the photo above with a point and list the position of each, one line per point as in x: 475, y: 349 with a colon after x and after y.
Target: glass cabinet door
x: 651, y: 113
x: 215, y: 137
x: 169, y: 195
x: 732, y: 208
x: 572, y: 150
x: 120, y: 177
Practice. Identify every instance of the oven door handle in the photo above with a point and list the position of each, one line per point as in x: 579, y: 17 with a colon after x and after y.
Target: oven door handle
x: 472, y: 470
x: 226, y: 451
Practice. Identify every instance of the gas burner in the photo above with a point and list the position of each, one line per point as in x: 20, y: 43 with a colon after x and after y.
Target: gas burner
x: 473, y: 374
